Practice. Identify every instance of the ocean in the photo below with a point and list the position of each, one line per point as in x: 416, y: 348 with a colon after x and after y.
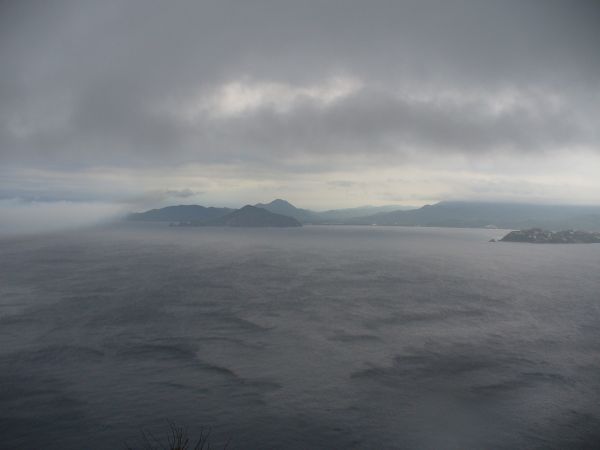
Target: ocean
x: 321, y: 337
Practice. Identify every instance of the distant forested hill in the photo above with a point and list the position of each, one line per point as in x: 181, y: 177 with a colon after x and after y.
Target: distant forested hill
x: 180, y: 213
x: 251, y: 216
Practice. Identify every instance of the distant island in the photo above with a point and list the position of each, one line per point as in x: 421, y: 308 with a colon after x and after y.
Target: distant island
x: 539, y: 236
x: 248, y: 216
x: 180, y: 213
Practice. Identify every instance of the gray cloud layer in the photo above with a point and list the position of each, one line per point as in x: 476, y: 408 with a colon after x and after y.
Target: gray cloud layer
x: 294, y: 85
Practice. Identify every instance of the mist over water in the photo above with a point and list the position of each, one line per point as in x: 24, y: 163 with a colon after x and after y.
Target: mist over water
x: 318, y: 337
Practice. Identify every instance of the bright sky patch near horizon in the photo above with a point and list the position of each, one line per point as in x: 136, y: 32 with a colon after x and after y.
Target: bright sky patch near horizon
x: 113, y: 106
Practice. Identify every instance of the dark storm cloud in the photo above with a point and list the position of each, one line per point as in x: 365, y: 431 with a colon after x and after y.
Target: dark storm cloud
x: 89, y: 84
x: 375, y: 123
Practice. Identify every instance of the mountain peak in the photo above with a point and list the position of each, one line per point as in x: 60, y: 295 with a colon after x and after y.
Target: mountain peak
x: 252, y: 216
x: 281, y: 206
x: 281, y: 202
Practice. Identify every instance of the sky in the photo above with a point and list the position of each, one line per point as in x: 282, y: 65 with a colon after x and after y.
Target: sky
x: 110, y: 106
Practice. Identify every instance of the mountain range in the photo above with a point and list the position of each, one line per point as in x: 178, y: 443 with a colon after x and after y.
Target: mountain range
x: 248, y: 216
x: 443, y: 214
x: 491, y: 215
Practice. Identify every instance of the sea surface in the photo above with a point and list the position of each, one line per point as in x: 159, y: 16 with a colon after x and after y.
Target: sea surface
x: 321, y: 337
